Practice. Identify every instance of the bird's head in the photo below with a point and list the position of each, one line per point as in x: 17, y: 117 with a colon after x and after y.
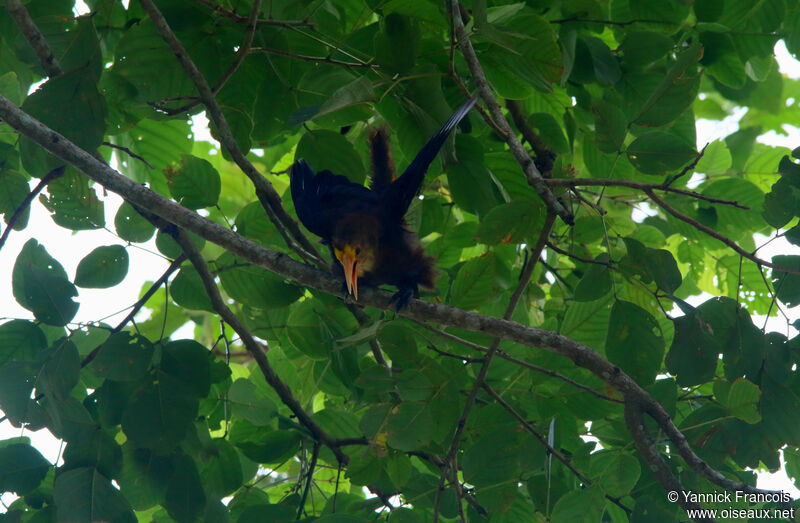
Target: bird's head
x: 355, y: 246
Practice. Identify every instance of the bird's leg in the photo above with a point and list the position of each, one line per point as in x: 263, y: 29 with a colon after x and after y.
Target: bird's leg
x: 403, y: 295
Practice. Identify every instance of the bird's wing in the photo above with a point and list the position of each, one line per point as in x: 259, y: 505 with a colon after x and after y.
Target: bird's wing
x: 396, y: 198
x: 321, y: 199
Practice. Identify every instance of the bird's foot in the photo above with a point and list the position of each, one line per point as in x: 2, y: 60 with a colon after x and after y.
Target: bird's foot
x: 402, y: 297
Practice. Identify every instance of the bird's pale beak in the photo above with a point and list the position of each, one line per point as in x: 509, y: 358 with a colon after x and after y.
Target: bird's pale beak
x: 349, y: 260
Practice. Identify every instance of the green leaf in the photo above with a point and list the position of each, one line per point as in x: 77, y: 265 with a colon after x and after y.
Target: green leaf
x: 658, y: 152
x: 596, y: 281
x: 267, y: 446
x: 132, y: 226
x: 144, y: 476
x: 397, y: 43
x: 60, y: 371
x: 357, y: 92
x: 743, y: 400
x: 474, y: 283
x: 69, y: 104
x: 250, y: 403
x: 73, y: 202
x: 104, y: 267
x: 83, y: 494
x: 167, y: 245
x: 188, y: 291
x: 159, y: 414
x: 634, y: 341
x: 123, y: 357
x: 41, y: 285
x: 20, y: 340
x: 492, y: 460
x: 606, y: 68
x: 185, y: 499
x: 22, y: 468
x: 652, y: 265
x: 579, y: 506
x: 312, y: 327
x: 409, y: 426
x: 255, y: 286
x: 641, y: 48
x: 610, y: 125
x: 324, y: 149
x: 13, y: 190
x: 787, y: 285
x: 716, y: 159
x: 512, y: 222
x: 99, y: 451
x: 221, y: 469
x: 189, y: 362
x: 196, y: 184
x: 615, y: 472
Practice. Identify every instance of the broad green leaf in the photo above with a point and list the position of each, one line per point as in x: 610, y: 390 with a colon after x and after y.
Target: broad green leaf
x: 255, y: 286
x: 397, y: 43
x: 99, y: 451
x: 195, y: 184
x: 359, y: 91
x: 188, y: 291
x: 104, y: 267
x: 73, y: 202
x: 652, y: 265
x: 69, y: 104
x: 787, y: 285
x: 641, y: 48
x: 123, y: 357
x: 189, y: 362
x: 658, y: 152
x: 13, y: 190
x: 579, y: 506
x: 312, y: 327
x: 59, y: 374
x: 132, y: 226
x: 324, y: 149
x: 606, y: 68
x: 716, y: 159
x: 159, y: 414
x: 144, y: 476
x: 22, y: 468
x: 743, y: 400
x: 40, y: 284
x: 409, y: 426
x: 267, y: 446
x: 492, y: 460
x: 634, y: 342
x: 616, y: 472
x: 610, y: 125
x: 83, y: 494
x: 184, y: 498
x: 20, y: 340
x: 474, y: 283
x: 220, y: 469
x: 512, y: 222
x: 250, y: 403
x: 596, y: 281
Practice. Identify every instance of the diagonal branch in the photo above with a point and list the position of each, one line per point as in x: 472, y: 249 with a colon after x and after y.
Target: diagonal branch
x: 717, y: 236
x: 303, y: 274
x: 34, y: 37
x: 26, y: 203
x: 532, y: 174
x: 642, y: 186
x: 266, y: 193
x: 239, y: 19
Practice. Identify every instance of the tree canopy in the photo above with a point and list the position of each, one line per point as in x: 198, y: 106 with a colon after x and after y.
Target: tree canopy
x: 564, y: 369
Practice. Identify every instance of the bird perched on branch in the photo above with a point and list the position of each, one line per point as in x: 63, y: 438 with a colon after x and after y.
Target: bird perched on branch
x: 365, y: 228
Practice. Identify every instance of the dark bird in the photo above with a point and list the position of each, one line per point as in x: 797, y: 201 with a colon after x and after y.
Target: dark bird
x: 365, y: 228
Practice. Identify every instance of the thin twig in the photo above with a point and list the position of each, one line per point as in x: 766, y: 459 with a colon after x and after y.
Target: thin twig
x: 306, y: 58
x: 239, y: 19
x: 642, y: 186
x: 20, y: 210
x: 129, y: 153
x: 717, y: 236
x: 34, y: 37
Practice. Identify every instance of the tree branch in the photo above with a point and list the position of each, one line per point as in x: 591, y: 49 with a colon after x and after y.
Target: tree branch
x: 34, y: 37
x: 239, y: 19
x: 128, y: 152
x: 615, y: 182
x: 20, y: 210
x: 266, y: 193
x: 306, y: 58
x: 303, y: 274
x: 717, y: 236
x: 532, y: 174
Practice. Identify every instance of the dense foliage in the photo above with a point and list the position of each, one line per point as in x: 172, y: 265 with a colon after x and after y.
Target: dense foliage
x: 605, y: 96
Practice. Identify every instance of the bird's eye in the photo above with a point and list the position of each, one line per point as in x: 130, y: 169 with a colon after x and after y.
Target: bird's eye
x: 358, y: 250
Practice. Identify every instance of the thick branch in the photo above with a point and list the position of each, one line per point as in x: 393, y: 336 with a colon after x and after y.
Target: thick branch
x: 283, y: 265
x: 532, y: 174
x: 20, y: 210
x: 649, y: 452
x: 34, y: 37
x: 265, y: 191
